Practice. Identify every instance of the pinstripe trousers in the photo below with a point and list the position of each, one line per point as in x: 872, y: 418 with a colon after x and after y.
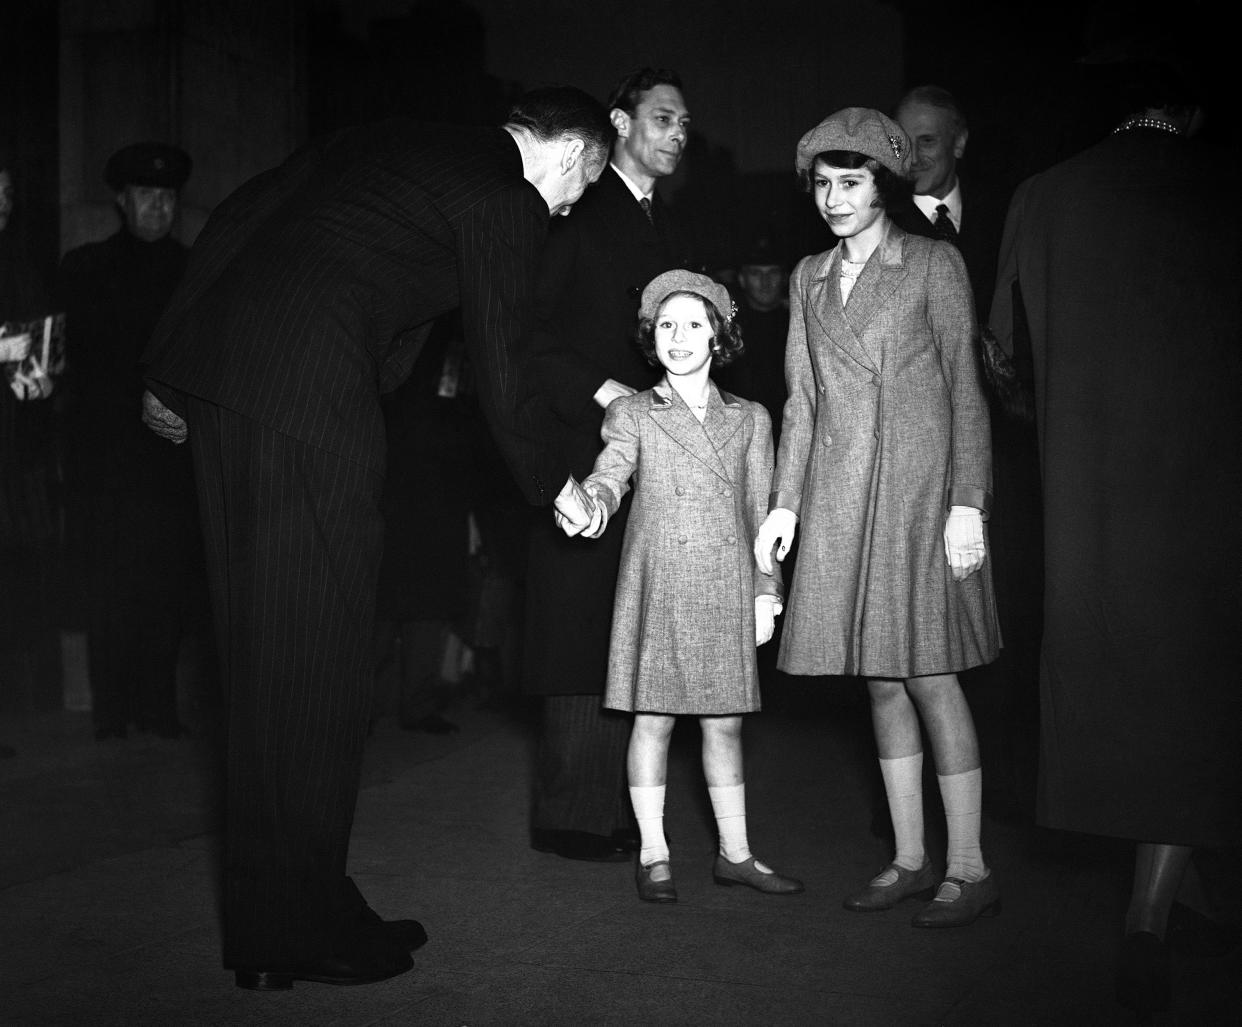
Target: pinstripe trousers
x: 293, y: 538
x: 580, y: 776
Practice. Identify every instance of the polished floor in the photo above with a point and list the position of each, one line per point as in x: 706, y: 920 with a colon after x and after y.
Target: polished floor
x: 107, y: 895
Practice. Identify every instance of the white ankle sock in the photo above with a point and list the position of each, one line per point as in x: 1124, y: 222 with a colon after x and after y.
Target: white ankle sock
x: 963, y: 809
x: 729, y: 806
x: 903, y: 784
x: 648, y: 803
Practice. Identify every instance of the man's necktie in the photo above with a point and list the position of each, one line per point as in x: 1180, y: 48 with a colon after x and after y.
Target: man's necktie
x: 944, y: 224
x: 645, y: 203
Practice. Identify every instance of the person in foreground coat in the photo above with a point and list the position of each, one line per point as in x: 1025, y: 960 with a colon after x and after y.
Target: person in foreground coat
x: 691, y: 606
x: 1137, y: 347
x: 310, y: 291
x: 885, y: 459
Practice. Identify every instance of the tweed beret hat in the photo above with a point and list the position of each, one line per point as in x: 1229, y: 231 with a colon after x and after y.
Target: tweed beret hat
x: 156, y: 164
x: 862, y: 130
x: 685, y: 281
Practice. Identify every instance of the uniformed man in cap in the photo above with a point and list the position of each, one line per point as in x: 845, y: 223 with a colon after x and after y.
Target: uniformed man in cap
x: 131, y: 498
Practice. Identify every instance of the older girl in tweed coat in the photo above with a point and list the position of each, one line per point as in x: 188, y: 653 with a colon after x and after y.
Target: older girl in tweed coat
x: 885, y: 469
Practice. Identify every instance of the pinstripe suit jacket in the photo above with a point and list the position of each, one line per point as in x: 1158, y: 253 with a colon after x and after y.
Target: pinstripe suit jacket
x: 312, y: 288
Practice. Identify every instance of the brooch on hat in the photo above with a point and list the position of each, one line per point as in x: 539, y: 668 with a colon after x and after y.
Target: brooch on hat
x: 896, y: 143
x: 731, y: 313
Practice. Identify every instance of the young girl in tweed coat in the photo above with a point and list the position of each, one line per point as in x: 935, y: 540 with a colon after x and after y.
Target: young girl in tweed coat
x: 691, y: 604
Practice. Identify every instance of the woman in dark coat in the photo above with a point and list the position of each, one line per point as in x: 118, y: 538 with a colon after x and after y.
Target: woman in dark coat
x: 885, y: 458
x: 1136, y: 337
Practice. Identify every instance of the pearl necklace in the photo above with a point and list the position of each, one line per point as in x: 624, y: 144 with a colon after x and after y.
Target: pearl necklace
x: 855, y: 268
x: 1147, y: 122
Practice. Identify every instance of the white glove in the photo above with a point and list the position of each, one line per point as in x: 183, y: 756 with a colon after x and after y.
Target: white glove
x: 163, y: 421
x: 779, y: 524
x: 610, y: 390
x: 571, y: 508
x: 577, y: 512
x: 963, y: 541
x: 599, y: 518
x: 766, y: 609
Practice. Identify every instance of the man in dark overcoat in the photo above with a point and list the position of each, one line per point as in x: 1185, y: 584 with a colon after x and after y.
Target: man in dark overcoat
x: 593, y: 272
x: 311, y: 290
x: 132, y: 514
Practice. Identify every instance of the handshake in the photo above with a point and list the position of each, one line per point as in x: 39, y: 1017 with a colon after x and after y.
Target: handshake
x: 577, y: 512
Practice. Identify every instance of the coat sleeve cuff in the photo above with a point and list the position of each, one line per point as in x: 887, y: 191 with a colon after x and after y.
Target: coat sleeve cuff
x: 971, y: 495
x: 785, y: 500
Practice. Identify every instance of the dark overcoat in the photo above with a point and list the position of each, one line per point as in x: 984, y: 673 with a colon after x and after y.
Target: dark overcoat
x: 1137, y: 345
x: 683, y: 630
x: 885, y: 428
x: 594, y: 268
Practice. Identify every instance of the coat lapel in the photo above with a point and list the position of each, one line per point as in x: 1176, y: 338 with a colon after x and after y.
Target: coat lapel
x: 824, y: 299
x: 703, y: 440
x: 884, y: 272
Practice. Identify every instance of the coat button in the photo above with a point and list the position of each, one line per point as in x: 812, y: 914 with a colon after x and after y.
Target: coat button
x: 827, y: 440
x: 875, y: 379
x: 682, y: 539
x: 680, y: 491
x: 730, y: 541
x: 823, y: 389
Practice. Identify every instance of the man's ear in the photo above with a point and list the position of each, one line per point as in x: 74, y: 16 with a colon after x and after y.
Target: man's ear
x: 620, y: 121
x: 959, y: 143
x: 571, y: 153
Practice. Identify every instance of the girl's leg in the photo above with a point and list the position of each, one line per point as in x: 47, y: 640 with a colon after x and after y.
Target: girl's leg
x: 955, y: 748
x: 647, y: 765
x: 900, y: 744
x: 722, y: 766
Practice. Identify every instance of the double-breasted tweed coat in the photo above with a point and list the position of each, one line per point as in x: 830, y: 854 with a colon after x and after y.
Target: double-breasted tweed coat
x: 683, y: 628
x: 885, y: 428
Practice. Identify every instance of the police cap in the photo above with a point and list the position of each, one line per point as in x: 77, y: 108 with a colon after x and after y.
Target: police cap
x: 156, y: 164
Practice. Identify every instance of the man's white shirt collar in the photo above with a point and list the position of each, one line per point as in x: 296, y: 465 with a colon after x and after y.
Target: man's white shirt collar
x: 928, y: 205
x: 638, y: 193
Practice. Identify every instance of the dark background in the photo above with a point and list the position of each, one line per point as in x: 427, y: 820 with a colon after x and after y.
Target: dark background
x: 240, y: 83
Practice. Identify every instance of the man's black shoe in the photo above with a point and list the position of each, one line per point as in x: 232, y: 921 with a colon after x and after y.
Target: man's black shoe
x: 366, y: 966
x: 595, y: 848
x: 405, y: 934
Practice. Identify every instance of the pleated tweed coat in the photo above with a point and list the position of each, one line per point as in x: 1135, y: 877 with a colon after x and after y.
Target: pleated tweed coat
x: 885, y: 428
x: 683, y: 628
